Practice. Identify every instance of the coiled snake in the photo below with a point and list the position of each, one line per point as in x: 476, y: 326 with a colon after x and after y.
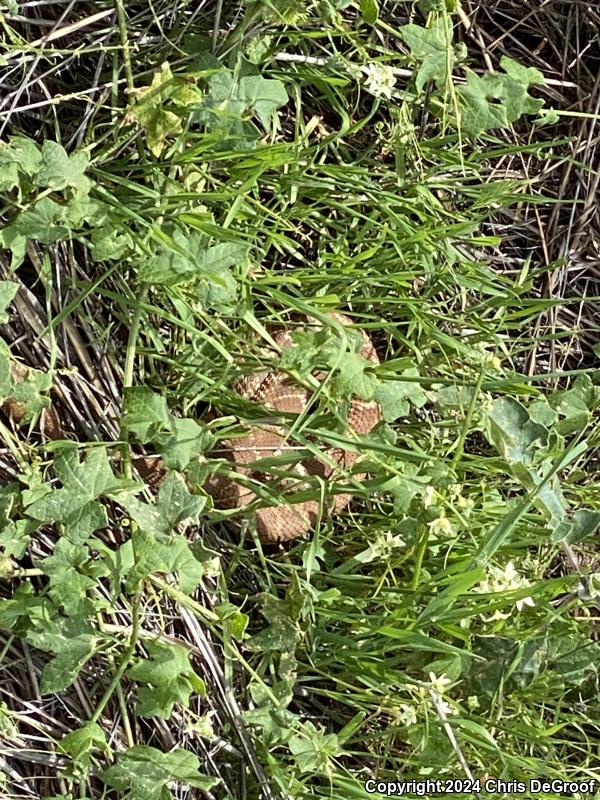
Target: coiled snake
x: 279, y: 393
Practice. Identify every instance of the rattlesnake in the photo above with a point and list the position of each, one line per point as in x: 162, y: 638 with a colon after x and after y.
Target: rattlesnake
x: 279, y: 393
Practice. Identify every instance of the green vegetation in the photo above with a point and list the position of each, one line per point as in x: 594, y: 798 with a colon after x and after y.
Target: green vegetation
x: 178, y: 180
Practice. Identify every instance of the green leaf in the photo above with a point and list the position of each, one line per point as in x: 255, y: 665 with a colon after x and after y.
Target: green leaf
x: 68, y: 585
x: 145, y: 413
x: 217, y: 288
x: 6, y: 373
x: 8, y: 290
x: 188, y: 439
x: 576, y: 405
x: 159, y: 108
x: 234, y: 621
x: 81, y: 743
x: 109, y: 243
x: 394, y: 396
x: 83, y: 482
x: 313, y: 749
x: 184, y: 564
x: 355, y: 376
x: 207, y: 268
x: 433, y: 48
x: 145, y: 772
x: 171, y: 677
x: 583, y: 524
x: 18, y: 612
x: 16, y: 536
x: 174, y: 505
x: 370, y: 11
x: 283, y: 634
x: 262, y: 97
x: 61, y: 171
x: 45, y: 222
x: 495, y: 100
x: 18, y: 157
x: 311, y: 349
x: 146, y: 554
x: 31, y: 392
x: 542, y: 413
x: 167, y: 267
x: 61, y: 671
x: 81, y: 523
x: 513, y: 432
x: 337, y: 350
x: 229, y: 102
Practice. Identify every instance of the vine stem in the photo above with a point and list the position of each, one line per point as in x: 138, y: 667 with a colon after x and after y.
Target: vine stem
x: 135, y: 627
x: 124, y: 43
x: 129, y: 368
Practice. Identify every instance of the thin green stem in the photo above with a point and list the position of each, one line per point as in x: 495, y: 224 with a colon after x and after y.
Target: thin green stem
x: 125, y: 43
x: 129, y: 650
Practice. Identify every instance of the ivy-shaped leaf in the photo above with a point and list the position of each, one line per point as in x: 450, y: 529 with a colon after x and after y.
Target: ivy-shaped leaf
x: 110, y: 243
x: 192, y: 261
x: 59, y: 170
x: 159, y: 108
x: 187, y: 439
x: 146, y: 554
x: 72, y: 651
x: 355, y: 376
x: 395, y: 397
x: 30, y: 391
x: 145, y: 773
x: 262, y: 97
x: 313, y: 749
x: 170, y: 678
x: 68, y: 584
x: 173, y: 505
x: 19, y: 157
x: 432, y: 47
x: 495, y: 100
x: 217, y: 288
x: 60, y: 672
x: 8, y: 290
x: 232, y: 98
x: 145, y: 413
x: 314, y: 349
x: 283, y: 633
x: 71, y: 639
x: 83, y: 482
x: 81, y: 743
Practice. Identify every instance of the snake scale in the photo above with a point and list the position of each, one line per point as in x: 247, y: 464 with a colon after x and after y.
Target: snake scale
x: 279, y: 393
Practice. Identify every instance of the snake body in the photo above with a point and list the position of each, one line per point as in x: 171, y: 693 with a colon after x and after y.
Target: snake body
x: 279, y: 393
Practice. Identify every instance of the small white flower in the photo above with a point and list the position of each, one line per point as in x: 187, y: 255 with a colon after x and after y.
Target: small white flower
x: 505, y: 579
x: 381, y: 548
x: 406, y: 715
x: 525, y: 601
x: 510, y: 573
x: 441, y: 525
x: 444, y: 709
x: 429, y: 496
x: 466, y: 505
x: 439, y: 684
x: 380, y: 80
